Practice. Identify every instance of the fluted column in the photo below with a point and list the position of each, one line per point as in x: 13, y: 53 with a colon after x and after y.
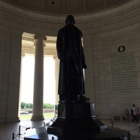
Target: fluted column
x: 56, y: 78
x: 38, y: 78
x: 56, y: 82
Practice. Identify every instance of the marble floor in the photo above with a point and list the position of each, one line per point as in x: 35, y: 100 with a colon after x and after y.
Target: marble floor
x: 17, y: 131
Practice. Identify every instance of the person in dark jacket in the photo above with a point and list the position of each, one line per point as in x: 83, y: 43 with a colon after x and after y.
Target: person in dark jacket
x: 135, y: 117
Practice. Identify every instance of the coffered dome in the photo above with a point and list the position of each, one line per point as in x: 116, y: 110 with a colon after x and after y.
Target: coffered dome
x: 64, y: 7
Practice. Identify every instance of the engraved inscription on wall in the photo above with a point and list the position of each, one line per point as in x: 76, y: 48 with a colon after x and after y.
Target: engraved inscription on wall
x: 124, y: 74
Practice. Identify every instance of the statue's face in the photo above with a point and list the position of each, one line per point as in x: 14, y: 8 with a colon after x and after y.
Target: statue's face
x: 70, y: 20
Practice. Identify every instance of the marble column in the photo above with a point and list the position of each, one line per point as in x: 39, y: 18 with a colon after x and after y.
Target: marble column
x: 56, y: 83
x: 56, y: 78
x: 38, y: 78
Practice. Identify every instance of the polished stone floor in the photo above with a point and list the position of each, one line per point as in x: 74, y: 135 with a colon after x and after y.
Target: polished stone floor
x: 19, y: 128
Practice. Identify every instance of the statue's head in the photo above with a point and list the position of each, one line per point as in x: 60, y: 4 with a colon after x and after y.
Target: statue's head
x: 70, y: 20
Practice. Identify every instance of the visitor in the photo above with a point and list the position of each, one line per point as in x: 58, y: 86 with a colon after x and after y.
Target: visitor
x: 127, y: 114
x: 135, y: 114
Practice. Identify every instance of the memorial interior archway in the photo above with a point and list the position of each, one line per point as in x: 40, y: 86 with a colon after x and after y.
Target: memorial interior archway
x: 28, y: 68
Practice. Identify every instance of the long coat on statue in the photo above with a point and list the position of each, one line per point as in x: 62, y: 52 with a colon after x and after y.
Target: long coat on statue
x: 72, y: 61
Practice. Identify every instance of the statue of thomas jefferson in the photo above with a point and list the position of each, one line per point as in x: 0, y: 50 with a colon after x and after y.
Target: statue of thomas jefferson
x: 72, y: 61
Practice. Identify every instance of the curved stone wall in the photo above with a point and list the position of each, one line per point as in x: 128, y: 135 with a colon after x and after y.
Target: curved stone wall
x: 67, y: 7
x: 103, y: 33
x: 29, y: 21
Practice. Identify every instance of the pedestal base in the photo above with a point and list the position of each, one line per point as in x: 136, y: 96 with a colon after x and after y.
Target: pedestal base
x: 76, y: 121
x: 105, y: 134
x: 75, y: 117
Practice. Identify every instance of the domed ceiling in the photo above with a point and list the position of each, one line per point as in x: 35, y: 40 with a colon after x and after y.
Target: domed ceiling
x: 67, y: 6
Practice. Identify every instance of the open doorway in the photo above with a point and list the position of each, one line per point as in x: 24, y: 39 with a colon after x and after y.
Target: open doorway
x: 49, y: 87
x: 27, y: 79
x: 26, y: 92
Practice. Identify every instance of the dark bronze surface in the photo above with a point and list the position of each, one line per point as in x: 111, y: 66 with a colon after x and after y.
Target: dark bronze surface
x: 72, y: 61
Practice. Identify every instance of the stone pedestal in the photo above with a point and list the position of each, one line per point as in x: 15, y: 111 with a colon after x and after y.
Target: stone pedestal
x: 72, y: 117
x: 76, y: 121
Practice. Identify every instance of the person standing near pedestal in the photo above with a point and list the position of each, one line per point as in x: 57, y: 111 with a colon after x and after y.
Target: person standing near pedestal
x: 72, y: 61
x: 135, y: 117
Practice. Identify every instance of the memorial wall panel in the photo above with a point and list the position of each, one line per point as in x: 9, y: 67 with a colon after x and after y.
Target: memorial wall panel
x: 123, y: 71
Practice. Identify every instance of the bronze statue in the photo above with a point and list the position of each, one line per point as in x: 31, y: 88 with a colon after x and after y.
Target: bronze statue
x: 72, y: 61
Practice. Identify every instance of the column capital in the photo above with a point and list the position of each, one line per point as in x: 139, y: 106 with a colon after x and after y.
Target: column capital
x: 40, y: 36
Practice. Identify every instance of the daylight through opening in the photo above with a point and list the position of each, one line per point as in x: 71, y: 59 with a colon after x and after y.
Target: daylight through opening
x: 28, y: 78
